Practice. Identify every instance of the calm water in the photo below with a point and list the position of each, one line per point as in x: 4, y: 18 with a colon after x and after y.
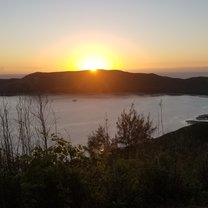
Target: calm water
x: 80, y: 118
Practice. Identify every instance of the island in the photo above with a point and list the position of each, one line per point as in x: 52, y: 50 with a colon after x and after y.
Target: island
x: 102, y: 82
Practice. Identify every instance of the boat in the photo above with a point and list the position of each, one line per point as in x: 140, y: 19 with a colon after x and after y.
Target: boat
x: 199, y: 119
x: 202, y: 117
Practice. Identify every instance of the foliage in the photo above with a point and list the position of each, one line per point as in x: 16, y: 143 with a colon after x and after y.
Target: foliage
x: 133, y: 128
x: 99, y: 142
x: 167, y: 171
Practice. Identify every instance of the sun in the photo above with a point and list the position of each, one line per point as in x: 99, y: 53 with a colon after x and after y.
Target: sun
x: 92, y: 56
x: 93, y: 63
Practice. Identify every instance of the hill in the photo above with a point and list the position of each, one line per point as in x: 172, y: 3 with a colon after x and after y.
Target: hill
x: 102, y: 81
x: 189, y: 140
x: 174, y: 167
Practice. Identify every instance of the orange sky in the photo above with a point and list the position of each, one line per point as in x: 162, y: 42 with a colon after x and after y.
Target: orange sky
x: 130, y: 35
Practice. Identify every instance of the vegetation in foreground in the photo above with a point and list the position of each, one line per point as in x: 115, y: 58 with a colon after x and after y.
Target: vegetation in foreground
x: 129, y: 170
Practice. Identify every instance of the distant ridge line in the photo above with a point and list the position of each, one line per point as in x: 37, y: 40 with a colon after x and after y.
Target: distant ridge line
x: 102, y: 82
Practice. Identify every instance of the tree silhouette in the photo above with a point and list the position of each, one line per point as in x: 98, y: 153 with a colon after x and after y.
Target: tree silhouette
x: 99, y: 141
x: 133, y: 128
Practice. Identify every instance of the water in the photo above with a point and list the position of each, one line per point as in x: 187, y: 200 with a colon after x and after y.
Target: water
x: 78, y: 116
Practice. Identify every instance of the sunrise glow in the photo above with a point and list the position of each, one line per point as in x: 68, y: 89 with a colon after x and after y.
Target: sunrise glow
x: 81, y: 35
x: 94, y: 63
x: 92, y: 56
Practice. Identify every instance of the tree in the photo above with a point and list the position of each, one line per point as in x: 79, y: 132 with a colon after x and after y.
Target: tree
x: 99, y: 141
x: 133, y: 128
x: 42, y: 113
x: 24, y: 125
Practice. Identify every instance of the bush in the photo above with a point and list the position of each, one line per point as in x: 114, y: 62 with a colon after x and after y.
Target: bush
x: 133, y: 128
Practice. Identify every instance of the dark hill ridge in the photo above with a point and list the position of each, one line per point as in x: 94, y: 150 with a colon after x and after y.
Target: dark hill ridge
x: 188, y: 140
x: 102, y: 81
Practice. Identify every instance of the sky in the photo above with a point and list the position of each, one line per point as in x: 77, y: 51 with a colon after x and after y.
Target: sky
x: 131, y: 35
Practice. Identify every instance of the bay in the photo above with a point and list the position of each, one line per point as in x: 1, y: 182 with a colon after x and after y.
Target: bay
x: 77, y: 116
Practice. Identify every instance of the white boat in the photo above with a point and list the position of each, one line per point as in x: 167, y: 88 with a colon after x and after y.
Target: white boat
x: 199, y: 119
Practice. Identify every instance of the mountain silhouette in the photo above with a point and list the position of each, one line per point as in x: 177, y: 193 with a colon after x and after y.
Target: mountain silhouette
x: 102, y: 82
